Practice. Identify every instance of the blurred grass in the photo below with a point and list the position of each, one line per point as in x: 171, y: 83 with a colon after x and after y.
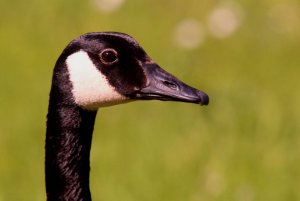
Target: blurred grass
x: 244, y: 146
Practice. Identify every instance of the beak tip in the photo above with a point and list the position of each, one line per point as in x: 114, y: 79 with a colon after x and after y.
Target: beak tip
x: 204, y: 99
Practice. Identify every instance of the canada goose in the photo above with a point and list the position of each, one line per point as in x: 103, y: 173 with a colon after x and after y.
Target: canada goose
x: 97, y: 70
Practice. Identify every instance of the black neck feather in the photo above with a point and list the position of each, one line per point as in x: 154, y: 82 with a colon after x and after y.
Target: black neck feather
x: 68, y: 144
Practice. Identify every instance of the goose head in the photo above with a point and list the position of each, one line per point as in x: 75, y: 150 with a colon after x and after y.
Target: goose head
x: 110, y: 68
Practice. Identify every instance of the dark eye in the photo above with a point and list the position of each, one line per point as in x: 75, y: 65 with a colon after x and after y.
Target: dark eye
x: 109, y: 56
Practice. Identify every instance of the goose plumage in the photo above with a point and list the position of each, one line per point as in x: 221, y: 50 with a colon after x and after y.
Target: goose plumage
x: 97, y: 70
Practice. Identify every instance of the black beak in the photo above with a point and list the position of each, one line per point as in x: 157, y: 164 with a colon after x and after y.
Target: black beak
x: 161, y: 85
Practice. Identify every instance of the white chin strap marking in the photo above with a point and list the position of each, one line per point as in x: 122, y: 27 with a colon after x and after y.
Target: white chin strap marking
x: 90, y: 87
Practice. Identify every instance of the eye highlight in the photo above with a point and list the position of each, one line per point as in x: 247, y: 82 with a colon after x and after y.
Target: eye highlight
x: 109, y: 56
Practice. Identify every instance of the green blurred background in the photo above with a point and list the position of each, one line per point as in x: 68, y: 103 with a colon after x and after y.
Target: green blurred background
x: 245, y: 146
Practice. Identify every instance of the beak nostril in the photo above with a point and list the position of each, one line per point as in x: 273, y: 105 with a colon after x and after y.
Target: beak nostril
x: 170, y: 84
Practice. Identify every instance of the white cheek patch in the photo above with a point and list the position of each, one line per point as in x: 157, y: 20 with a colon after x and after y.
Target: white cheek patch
x: 90, y: 87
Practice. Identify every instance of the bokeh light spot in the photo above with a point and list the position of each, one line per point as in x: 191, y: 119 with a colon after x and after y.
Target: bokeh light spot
x: 213, y: 183
x: 245, y: 193
x: 189, y: 34
x: 284, y: 18
x: 225, y: 19
x: 108, y: 6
